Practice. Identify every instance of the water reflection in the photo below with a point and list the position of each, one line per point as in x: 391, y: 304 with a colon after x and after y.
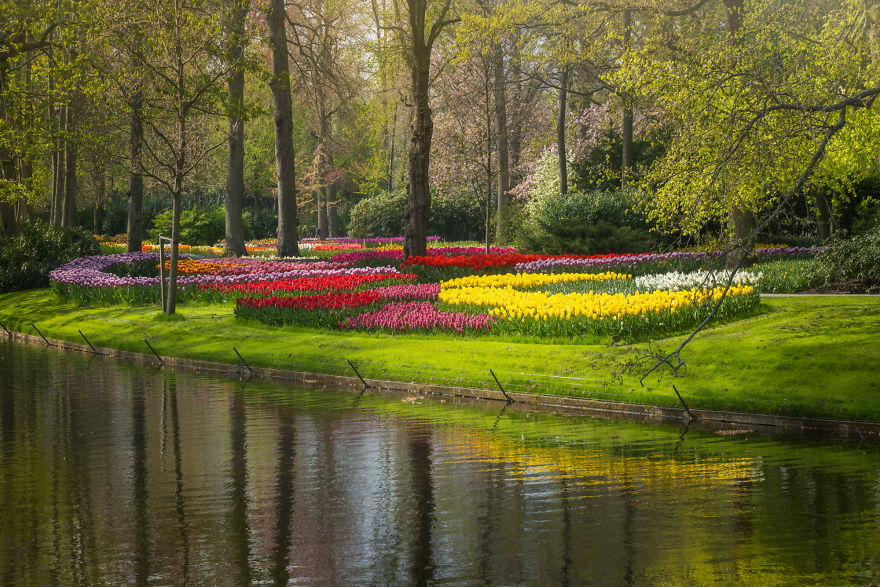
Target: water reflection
x: 110, y: 473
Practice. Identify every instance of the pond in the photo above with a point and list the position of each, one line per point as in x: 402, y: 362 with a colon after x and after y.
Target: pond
x: 115, y: 473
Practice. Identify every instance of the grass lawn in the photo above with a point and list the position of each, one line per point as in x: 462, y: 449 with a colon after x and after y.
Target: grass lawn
x: 805, y: 356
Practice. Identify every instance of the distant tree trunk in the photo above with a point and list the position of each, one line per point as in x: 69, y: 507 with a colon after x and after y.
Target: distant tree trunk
x: 515, y: 104
x: 501, y: 143
x: 332, y: 213
x: 325, y: 164
x: 59, y: 169
x: 418, y: 204
x: 100, y: 192
x: 287, y: 244
x: 391, y: 150
x: 68, y: 210
x: 824, y: 212
x: 742, y: 222
x: 627, y: 122
x: 235, y: 154
x: 321, y: 208
x: 560, y: 132
x: 135, y: 227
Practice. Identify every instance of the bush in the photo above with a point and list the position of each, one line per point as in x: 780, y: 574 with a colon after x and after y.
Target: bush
x: 383, y: 215
x: 854, y: 260
x: 456, y: 219
x: 378, y: 215
x: 593, y: 222
x: 27, y: 257
x: 198, y: 227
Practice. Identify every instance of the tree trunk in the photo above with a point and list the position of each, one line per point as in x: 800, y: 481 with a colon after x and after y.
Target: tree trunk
x: 516, y: 107
x: 742, y: 222
x: 235, y: 152
x: 135, y: 230
x: 391, y: 150
x: 59, y: 170
x: 823, y: 212
x: 627, y: 122
x: 501, y: 144
x: 287, y: 244
x: 332, y: 214
x: 171, y: 296
x: 418, y: 204
x: 321, y: 208
x: 69, y: 206
x: 560, y: 133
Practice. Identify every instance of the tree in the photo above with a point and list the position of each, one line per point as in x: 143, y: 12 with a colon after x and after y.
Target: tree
x: 287, y: 245
x: 235, y: 40
x: 326, y: 36
x: 420, y: 44
x: 182, y: 68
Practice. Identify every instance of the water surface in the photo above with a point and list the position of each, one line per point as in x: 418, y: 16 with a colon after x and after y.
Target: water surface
x: 113, y: 473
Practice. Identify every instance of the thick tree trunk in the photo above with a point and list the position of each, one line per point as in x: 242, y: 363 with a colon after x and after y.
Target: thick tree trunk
x: 627, y: 122
x: 501, y: 144
x: 824, y: 212
x: 742, y: 222
x: 560, y: 133
x: 135, y: 230
x: 287, y: 244
x: 235, y: 149
x: 418, y: 204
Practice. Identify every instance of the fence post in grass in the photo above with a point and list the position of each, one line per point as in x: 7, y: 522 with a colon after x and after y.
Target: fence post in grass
x: 251, y: 371
x: 161, y: 362
x: 88, y: 343
x: 41, y: 334
x: 507, y: 397
x: 366, y: 385
x: 686, y: 408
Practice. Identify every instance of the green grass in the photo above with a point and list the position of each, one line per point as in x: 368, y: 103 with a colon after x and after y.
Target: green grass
x: 799, y: 356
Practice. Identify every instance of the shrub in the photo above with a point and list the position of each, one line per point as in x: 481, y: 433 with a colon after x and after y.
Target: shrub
x: 855, y: 260
x: 455, y: 219
x: 198, y: 227
x: 378, y: 215
x: 27, y: 257
x: 451, y: 218
x: 593, y: 222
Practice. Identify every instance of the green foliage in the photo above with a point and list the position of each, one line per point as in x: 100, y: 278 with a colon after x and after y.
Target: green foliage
x: 383, y: 215
x: 198, y: 227
x: 854, y: 261
x: 378, y: 215
x: 455, y: 219
x: 787, y: 275
x: 27, y: 257
x: 594, y: 222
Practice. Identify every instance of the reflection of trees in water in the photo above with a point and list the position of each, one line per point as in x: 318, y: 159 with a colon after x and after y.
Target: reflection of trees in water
x: 139, y: 485
x: 509, y: 511
x: 421, y: 570
x: 169, y: 394
x: 239, y: 530
x: 284, y: 499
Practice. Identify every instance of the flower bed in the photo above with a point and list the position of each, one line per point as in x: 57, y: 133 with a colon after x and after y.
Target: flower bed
x: 556, y: 296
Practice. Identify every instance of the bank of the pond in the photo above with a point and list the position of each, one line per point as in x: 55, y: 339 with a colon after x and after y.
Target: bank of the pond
x: 809, y: 357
